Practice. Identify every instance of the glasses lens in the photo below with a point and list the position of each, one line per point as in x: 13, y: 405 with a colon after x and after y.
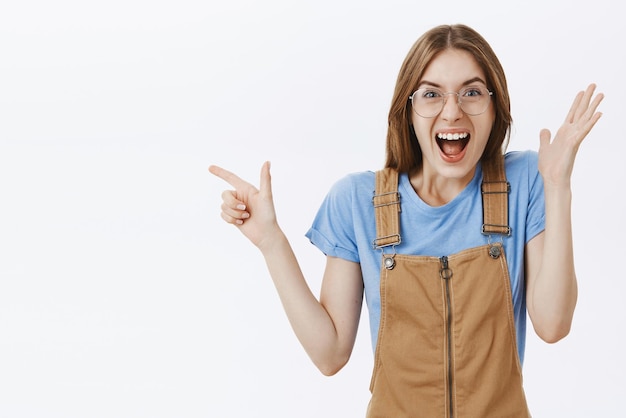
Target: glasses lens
x: 474, y: 100
x: 429, y: 102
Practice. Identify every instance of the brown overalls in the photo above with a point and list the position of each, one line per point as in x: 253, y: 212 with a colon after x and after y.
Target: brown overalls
x: 446, y: 343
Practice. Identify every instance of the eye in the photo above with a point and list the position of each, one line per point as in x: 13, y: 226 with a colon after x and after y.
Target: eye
x: 430, y: 93
x: 472, y: 92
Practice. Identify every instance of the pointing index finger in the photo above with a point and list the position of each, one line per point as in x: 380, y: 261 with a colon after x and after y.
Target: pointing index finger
x: 227, y: 176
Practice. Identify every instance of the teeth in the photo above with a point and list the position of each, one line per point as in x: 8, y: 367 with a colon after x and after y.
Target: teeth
x: 452, y: 137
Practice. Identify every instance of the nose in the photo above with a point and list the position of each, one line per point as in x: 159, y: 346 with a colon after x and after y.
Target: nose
x: 451, y: 107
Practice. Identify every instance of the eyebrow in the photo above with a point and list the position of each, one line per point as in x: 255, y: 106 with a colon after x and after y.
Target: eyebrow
x: 465, y: 83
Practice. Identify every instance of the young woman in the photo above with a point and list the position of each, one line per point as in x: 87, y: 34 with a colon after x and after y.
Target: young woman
x: 451, y: 243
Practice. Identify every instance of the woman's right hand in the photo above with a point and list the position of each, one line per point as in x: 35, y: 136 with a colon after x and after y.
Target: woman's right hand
x: 248, y: 208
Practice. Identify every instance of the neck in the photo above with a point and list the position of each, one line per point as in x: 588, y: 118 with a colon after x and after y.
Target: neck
x: 435, y: 189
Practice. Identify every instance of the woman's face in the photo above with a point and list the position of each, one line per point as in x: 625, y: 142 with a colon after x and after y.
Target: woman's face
x: 453, y: 141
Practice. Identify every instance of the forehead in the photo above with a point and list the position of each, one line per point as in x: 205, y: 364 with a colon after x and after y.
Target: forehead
x: 452, y: 68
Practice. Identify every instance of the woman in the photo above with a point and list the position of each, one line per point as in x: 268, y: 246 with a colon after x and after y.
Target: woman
x: 451, y: 243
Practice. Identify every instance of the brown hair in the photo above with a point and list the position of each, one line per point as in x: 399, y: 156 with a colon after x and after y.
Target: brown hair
x: 403, y: 151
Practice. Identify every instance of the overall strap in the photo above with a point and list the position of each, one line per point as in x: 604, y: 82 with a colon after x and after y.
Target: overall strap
x: 387, y: 209
x: 495, y: 190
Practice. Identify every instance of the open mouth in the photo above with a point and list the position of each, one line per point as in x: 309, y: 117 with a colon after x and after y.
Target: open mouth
x: 452, y: 144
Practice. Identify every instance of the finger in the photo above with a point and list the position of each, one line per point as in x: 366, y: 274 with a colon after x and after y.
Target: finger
x: 589, y: 124
x: 231, y: 220
x: 234, y: 214
x: 589, y: 92
x: 573, y: 110
x: 228, y: 177
x: 266, y: 180
x: 596, y: 102
x: 583, y: 105
x: 591, y: 115
x: 544, y: 137
x: 231, y: 202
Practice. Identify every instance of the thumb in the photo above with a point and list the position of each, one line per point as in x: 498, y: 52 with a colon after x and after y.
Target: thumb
x: 266, y: 180
x: 544, y: 137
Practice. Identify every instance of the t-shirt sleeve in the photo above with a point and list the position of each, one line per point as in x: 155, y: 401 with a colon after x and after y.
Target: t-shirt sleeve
x: 536, y: 215
x: 333, y: 230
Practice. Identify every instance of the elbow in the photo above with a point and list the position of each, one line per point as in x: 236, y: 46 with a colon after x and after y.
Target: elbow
x: 553, y: 338
x: 552, y: 326
x: 332, y: 367
x: 329, y: 371
x: 555, y: 333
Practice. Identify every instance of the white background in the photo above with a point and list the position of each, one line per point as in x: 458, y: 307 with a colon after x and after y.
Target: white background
x: 123, y: 294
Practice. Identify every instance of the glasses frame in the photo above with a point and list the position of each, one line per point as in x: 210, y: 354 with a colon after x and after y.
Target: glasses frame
x: 443, y: 100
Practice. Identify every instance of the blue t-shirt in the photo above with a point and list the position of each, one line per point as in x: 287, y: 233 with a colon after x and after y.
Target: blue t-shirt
x: 345, y: 227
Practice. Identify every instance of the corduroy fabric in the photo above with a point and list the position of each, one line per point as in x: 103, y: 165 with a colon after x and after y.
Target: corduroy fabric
x: 446, y: 342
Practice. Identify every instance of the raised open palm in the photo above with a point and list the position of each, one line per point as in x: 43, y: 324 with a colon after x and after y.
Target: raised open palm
x: 556, y: 158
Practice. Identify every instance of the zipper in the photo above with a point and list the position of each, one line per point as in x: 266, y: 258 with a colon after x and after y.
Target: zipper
x: 446, y: 273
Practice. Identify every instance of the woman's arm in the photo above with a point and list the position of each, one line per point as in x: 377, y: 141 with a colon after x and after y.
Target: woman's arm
x: 552, y: 289
x: 326, y: 328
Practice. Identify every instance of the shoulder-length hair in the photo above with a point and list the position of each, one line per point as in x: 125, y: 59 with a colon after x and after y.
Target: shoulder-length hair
x: 403, y: 152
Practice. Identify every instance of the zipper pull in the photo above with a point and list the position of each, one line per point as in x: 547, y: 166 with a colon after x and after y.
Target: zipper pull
x: 444, y: 272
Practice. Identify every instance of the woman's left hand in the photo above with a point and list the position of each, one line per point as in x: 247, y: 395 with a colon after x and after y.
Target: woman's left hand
x: 556, y: 158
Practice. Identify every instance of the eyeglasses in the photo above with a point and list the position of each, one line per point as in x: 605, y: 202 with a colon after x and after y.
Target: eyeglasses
x: 429, y: 102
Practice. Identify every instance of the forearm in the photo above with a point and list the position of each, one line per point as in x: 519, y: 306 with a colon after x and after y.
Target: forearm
x: 555, y: 290
x: 310, y: 321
